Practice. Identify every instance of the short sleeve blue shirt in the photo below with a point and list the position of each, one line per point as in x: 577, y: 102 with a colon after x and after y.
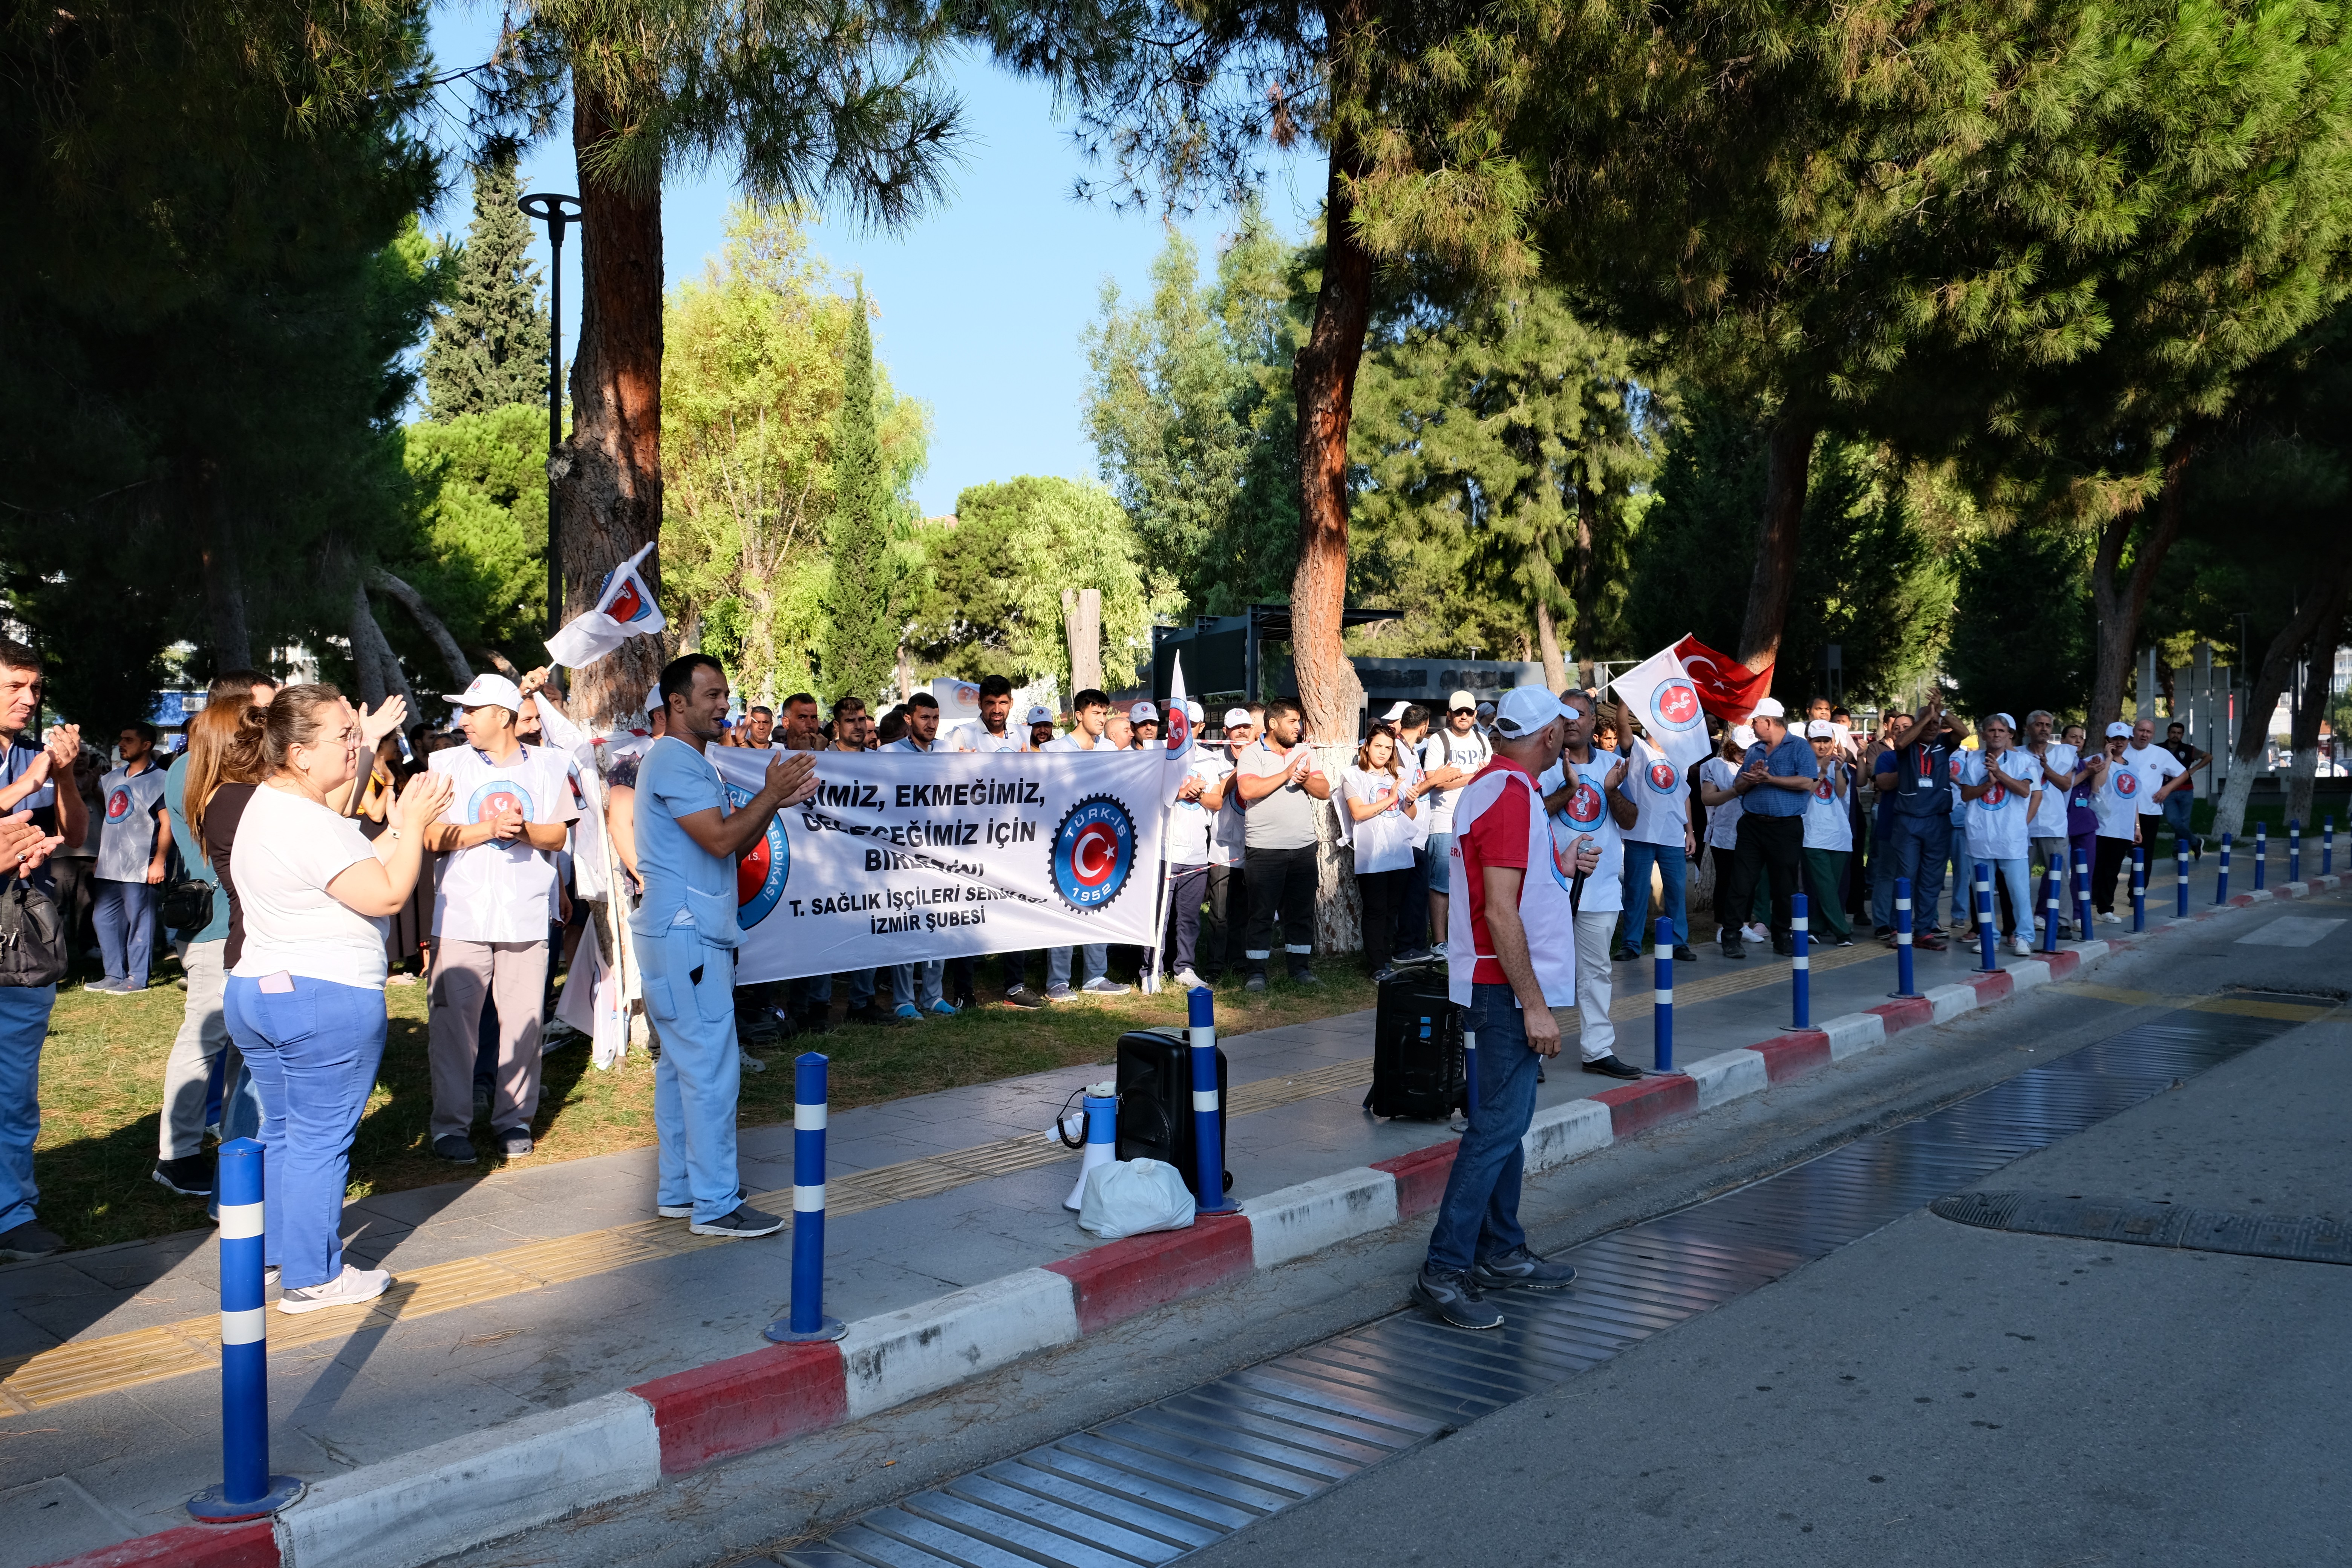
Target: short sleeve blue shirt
x: 1792, y: 759
x: 674, y: 781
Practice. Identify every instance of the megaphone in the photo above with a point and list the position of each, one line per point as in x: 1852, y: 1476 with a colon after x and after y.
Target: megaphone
x: 1102, y: 1137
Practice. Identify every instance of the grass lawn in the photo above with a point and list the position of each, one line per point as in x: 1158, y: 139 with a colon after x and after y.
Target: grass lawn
x: 102, y: 1074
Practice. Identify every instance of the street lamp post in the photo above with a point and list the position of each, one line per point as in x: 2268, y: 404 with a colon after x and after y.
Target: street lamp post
x: 557, y: 212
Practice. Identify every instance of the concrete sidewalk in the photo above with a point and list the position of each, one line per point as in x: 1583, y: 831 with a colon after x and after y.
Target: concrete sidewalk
x: 532, y: 1291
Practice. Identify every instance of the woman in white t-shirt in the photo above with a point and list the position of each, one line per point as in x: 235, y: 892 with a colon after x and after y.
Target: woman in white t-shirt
x: 1382, y: 807
x: 305, y: 1001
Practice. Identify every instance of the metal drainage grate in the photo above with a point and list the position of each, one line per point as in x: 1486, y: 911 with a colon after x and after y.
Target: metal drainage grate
x: 1173, y: 1476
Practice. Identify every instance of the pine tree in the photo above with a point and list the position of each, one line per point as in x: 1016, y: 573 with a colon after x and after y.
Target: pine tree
x: 861, y: 649
x: 489, y: 344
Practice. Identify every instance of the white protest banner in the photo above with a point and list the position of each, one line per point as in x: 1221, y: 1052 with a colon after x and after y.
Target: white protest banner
x: 626, y: 608
x: 901, y: 856
x: 1663, y: 701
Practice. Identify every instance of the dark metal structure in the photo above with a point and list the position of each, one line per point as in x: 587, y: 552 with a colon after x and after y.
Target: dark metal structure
x: 558, y: 212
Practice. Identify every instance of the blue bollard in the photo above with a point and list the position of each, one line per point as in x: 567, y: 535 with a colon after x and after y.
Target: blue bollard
x: 2221, y: 877
x: 2139, y: 887
x: 2328, y: 848
x: 1662, y: 1011
x: 2053, y: 898
x: 1469, y: 1077
x: 1208, y: 1113
x: 2180, y: 879
x: 1988, y: 939
x: 1800, y: 964
x: 2261, y: 852
x: 2295, y: 851
x: 1903, y: 986
x: 807, y: 1322
x: 248, y: 1490
x: 2082, y: 897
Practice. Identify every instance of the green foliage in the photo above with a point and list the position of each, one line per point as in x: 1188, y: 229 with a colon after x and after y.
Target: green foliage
x: 753, y: 378
x: 479, y: 555
x: 861, y: 644
x: 2023, y: 632
x: 490, y: 339
x: 995, y: 602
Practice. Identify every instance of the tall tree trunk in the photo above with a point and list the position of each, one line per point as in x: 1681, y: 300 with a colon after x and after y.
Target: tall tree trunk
x: 367, y: 664
x: 232, y: 637
x: 608, y: 474
x: 1548, y: 639
x: 1788, y: 463
x: 1325, y: 380
x: 2319, y: 664
x: 2324, y: 609
x: 2119, y: 600
x: 383, y: 582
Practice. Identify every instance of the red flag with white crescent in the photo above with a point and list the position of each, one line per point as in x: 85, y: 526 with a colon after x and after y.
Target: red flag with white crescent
x: 1726, y: 687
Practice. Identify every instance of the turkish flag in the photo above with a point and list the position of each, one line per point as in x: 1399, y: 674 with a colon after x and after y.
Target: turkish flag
x: 1726, y: 687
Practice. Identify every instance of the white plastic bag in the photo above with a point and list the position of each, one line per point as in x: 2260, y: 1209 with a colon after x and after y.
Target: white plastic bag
x: 1128, y: 1198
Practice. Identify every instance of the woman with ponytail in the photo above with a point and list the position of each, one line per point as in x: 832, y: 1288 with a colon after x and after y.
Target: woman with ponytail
x: 306, y: 994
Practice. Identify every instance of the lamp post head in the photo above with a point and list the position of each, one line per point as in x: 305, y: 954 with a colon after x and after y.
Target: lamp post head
x: 553, y: 210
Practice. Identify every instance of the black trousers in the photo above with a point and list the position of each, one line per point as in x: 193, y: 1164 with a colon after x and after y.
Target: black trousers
x: 2106, y: 866
x: 1769, y: 847
x: 1412, y: 906
x: 1382, y: 891
x: 1281, y: 883
x: 1187, y: 886
x: 1221, y: 927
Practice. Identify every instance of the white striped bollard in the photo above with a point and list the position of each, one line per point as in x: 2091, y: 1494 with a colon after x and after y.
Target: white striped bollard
x: 806, y: 1322
x: 2222, y: 877
x: 2181, y: 877
x: 1661, y: 1010
x: 2261, y: 852
x: 2081, y: 896
x: 2053, y: 898
x: 2139, y: 887
x: 1800, y: 964
x: 1903, y: 978
x: 248, y: 1490
x: 2328, y: 846
x: 2295, y: 849
x: 1988, y: 939
x: 1208, y: 1110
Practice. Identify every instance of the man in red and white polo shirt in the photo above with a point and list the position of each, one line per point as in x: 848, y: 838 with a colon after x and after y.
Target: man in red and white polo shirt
x: 1510, y: 958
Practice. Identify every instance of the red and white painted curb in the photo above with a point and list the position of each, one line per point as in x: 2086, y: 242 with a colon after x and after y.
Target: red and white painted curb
x: 411, y: 1510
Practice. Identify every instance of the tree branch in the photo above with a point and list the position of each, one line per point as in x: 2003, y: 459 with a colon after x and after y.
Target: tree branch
x: 383, y: 582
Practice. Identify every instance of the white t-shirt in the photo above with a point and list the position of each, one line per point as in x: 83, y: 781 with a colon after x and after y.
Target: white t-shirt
x: 1409, y: 771
x: 1586, y: 814
x: 494, y: 891
x: 1829, y: 824
x: 1384, y: 841
x: 129, y: 803
x: 1722, y: 821
x: 1189, y: 821
x: 288, y: 847
x: 2050, y: 815
x: 1998, y: 827
x: 974, y: 737
x: 1660, y: 800
x: 2154, y: 765
x: 1072, y: 742
x: 2117, y: 800
x: 1227, y: 834
x: 1445, y: 749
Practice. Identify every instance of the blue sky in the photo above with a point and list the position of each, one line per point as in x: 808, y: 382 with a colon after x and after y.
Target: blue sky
x: 981, y: 302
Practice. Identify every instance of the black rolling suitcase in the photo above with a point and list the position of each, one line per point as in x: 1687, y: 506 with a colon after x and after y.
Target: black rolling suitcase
x: 1417, y: 1067
x: 1155, y: 1102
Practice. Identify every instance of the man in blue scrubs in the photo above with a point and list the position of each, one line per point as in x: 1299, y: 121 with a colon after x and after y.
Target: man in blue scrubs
x: 686, y: 937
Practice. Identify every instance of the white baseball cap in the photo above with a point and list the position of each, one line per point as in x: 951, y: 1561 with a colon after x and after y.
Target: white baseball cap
x: 2120, y: 727
x: 1395, y: 713
x: 1485, y: 710
x: 1742, y: 736
x: 1524, y: 710
x: 2007, y: 722
x: 489, y: 691
x: 1821, y: 730
x: 654, y: 699
x: 1459, y: 700
x: 1236, y: 718
x: 1039, y: 714
x: 1143, y: 713
x: 1769, y: 709
x: 1192, y: 709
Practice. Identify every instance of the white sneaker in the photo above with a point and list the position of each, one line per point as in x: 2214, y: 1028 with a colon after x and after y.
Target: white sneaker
x: 1185, y: 980
x: 1754, y: 933
x: 350, y: 1288
x: 2020, y: 946
x: 2109, y: 917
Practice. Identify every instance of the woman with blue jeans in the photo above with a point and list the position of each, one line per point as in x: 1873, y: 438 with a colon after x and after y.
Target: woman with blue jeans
x: 305, y: 998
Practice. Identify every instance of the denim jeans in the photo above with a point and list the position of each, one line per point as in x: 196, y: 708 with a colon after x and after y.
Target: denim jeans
x: 2017, y: 876
x: 2177, y: 807
x: 312, y: 1050
x: 1919, y: 846
x: 1479, y: 1215
x: 195, y: 1053
x: 690, y: 994
x: 1096, y: 961
x: 1674, y: 871
x: 1964, y: 877
x: 125, y: 918
x: 861, y: 988
x: 24, y: 1025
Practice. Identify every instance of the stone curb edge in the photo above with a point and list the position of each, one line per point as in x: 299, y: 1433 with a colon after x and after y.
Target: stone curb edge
x: 411, y: 1510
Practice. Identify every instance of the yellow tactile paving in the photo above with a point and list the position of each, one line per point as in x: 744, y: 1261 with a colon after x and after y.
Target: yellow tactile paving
x: 84, y: 1367
x: 2242, y: 1006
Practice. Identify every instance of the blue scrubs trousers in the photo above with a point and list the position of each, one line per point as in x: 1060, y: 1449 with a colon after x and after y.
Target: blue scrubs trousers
x: 24, y: 1025
x: 689, y: 987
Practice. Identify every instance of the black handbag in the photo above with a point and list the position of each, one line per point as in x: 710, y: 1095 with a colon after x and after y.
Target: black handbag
x: 188, y: 904
x: 32, y: 935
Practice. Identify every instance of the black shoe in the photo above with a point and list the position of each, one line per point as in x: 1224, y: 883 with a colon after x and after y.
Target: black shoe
x: 1784, y: 947
x: 189, y: 1177
x: 1022, y: 996
x: 1612, y: 1066
x: 1521, y: 1267
x: 514, y: 1142
x: 1455, y: 1298
x: 1256, y: 981
x: 1734, y: 948
x: 1304, y: 976
x: 1883, y: 934
x: 965, y: 1002
x: 872, y: 1013
x: 1626, y: 955
x: 746, y: 1221
x: 1685, y: 956
x: 29, y: 1240
x: 454, y: 1147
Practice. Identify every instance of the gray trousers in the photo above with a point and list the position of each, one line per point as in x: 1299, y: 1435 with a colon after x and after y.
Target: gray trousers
x: 513, y: 976
x: 203, y: 1037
